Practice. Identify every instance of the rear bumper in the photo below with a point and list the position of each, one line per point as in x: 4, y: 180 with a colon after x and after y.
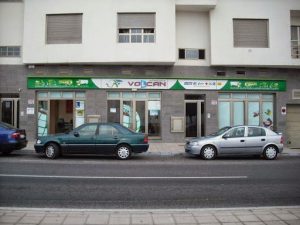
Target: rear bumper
x: 280, y: 148
x: 139, y: 148
x: 14, y: 145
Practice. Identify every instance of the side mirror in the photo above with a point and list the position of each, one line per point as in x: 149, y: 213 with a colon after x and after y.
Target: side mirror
x: 76, y: 134
x: 225, y: 136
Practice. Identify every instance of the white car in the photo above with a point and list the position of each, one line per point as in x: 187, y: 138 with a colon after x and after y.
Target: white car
x: 235, y: 141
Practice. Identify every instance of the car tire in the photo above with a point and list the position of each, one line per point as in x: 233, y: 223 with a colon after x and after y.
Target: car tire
x: 270, y: 152
x: 208, y: 152
x: 52, y: 151
x: 123, y: 152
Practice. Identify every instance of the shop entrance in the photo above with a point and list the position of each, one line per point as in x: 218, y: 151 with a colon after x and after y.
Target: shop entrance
x: 10, y: 109
x: 60, y: 112
x: 61, y: 116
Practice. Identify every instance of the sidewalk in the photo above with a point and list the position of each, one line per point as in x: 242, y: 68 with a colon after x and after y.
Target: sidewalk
x: 172, y: 149
x: 225, y: 216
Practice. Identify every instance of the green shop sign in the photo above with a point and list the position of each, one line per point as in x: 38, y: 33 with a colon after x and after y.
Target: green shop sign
x: 155, y: 84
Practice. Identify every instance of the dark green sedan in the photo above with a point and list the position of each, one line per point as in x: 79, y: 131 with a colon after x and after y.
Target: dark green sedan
x: 94, y: 138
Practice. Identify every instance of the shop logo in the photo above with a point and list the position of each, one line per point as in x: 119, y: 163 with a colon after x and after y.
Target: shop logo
x: 113, y: 83
x: 146, y: 84
x: 82, y: 82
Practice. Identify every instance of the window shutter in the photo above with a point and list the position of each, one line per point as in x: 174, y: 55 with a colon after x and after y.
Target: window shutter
x: 64, y: 29
x: 181, y: 54
x: 250, y: 33
x: 201, y: 54
x: 136, y: 20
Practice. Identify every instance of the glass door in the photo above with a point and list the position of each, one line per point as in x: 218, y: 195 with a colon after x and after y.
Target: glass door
x: 192, y: 118
x: 10, y: 111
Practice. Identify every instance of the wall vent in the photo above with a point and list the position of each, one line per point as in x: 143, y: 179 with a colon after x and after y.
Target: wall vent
x: 296, y: 94
x: 221, y: 73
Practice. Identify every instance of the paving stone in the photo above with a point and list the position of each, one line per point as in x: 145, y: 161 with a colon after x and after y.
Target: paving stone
x: 206, y: 219
x: 122, y: 220
x: 254, y: 223
x: 210, y: 223
x: 141, y: 219
x: 10, y: 219
x: 275, y: 223
x: 293, y: 222
x: 248, y: 218
x: 53, y: 220
x: 268, y: 217
x: 163, y: 219
x: 75, y: 220
x: 31, y: 219
x: 239, y: 223
x: 227, y: 219
x: 185, y: 219
x: 287, y: 216
x: 98, y: 219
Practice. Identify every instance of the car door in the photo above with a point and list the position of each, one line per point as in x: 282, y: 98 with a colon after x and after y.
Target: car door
x: 107, y: 139
x: 255, y: 141
x: 232, y: 142
x: 82, y: 139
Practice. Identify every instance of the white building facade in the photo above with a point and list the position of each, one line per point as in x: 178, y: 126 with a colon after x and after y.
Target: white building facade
x: 173, y: 69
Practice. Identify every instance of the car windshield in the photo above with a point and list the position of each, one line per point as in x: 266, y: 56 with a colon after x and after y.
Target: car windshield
x: 221, y: 131
x: 6, y: 126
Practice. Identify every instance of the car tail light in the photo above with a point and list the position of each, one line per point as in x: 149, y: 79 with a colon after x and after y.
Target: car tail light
x: 15, y: 135
x: 146, y: 139
x: 281, y: 140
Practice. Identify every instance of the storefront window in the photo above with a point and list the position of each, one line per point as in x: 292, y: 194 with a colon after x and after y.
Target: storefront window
x: 253, y: 113
x: 154, y: 118
x: 238, y: 113
x: 139, y: 111
x: 224, y: 114
x: 42, y: 118
x: 245, y: 109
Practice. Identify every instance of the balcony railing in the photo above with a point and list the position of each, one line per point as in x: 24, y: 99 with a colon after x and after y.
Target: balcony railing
x: 295, y: 49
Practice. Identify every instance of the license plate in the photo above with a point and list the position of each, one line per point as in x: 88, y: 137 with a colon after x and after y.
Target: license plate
x: 22, y: 136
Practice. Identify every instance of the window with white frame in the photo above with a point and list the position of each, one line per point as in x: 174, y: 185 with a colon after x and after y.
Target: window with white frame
x: 295, y: 41
x: 191, y: 53
x: 136, y: 27
x: 10, y: 51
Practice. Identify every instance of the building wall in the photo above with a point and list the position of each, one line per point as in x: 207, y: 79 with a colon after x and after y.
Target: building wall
x: 99, y: 33
x: 192, y: 31
x: 11, y: 28
x: 278, y: 13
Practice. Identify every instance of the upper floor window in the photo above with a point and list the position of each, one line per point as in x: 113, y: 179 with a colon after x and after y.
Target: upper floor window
x: 136, y: 27
x: 191, y: 53
x: 295, y: 41
x: 10, y: 51
x: 251, y: 33
x: 64, y: 29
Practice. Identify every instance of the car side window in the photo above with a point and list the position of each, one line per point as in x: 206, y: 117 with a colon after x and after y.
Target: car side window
x: 88, y: 130
x: 108, y: 130
x: 236, y: 132
x: 256, y: 132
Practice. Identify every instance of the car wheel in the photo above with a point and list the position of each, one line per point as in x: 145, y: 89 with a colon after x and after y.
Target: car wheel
x: 270, y: 152
x: 52, y: 151
x: 123, y: 152
x: 208, y: 152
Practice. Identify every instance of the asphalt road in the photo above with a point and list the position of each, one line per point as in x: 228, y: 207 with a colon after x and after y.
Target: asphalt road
x: 27, y: 180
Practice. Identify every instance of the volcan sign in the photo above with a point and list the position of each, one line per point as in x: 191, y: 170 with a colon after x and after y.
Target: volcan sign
x: 154, y: 84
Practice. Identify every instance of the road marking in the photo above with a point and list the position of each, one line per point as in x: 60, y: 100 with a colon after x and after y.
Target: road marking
x: 90, y: 177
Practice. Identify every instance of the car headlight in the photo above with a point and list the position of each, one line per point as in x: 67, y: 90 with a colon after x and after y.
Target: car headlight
x: 194, y: 143
x: 38, y: 141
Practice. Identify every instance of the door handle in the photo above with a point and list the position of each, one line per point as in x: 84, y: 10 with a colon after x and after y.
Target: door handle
x: 116, y: 137
x: 242, y: 141
x: 263, y: 139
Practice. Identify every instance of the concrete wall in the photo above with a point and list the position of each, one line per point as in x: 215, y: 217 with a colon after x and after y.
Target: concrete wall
x: 11, y: 28
x: 192, y: 31
x: 278, y: 14
x: 99, y: 33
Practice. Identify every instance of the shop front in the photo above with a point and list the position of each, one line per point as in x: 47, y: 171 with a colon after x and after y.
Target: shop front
x: 165, y: 109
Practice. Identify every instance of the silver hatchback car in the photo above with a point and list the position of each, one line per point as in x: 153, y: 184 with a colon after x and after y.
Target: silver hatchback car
x: 238, y: 140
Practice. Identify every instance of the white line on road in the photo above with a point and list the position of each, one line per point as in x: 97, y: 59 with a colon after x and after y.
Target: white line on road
x: 89, y: 177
